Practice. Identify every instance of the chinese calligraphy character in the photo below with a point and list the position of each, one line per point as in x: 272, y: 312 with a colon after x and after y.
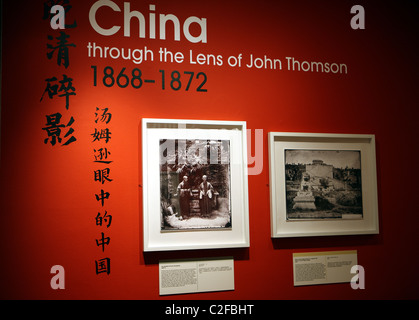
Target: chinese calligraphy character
x: 103, y: 266
x: 53, y: 129
x: 101, y: 155
x: 102, y: 134
x: 103, y: 241
x: 102, y: 175
x: 62, y: 47
x: 102, y: 196
x: 106, y: 218
x: 105, y: 116
x: 66, y: 87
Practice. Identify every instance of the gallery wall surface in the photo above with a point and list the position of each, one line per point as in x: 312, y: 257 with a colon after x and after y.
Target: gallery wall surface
x: 71, y: 135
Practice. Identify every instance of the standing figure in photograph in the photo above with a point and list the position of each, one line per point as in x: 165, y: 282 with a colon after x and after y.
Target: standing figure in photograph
x: 205, y: 197
x: 184, y: 192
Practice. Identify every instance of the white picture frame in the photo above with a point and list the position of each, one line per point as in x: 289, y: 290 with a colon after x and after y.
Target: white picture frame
x: 298, y: 187
x: 157, y: 211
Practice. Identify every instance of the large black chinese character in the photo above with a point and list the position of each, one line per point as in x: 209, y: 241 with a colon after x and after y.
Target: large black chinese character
x: 104, y: 241
x: 101, y: 134
x: 104, y: 116
x: 53, y: 128
x: 103, y: 266
x: 102, y: 196
x: 66, y: 88
x: 105, y: 219
x: 101, y: 155
x: 102, y: 175
x: 62, y: 47
x: 64, y: 3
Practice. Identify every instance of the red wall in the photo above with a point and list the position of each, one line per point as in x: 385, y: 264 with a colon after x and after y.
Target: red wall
x: 47, y: 201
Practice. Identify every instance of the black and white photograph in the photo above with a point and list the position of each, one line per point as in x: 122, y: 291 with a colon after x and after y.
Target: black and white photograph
x: 195, y: 184
x: 323, y: 184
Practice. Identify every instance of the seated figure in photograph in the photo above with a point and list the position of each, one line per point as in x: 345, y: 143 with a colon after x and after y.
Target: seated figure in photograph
x: 205, y: 197
x: 184, y: 192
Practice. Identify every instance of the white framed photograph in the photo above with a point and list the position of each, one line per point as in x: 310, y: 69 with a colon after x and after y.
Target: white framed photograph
x: 322, y: 184
x: 195, y: 191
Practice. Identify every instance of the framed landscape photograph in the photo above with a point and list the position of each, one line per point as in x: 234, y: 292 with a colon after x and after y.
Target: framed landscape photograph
x: 194, y: 184
x: 322, y: 184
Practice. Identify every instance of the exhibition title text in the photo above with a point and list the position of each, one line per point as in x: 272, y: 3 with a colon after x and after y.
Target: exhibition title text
x: 146, y: 22
x: 109, y: 18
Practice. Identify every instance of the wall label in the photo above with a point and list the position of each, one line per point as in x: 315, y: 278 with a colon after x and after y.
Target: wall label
x: 314, y: 268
